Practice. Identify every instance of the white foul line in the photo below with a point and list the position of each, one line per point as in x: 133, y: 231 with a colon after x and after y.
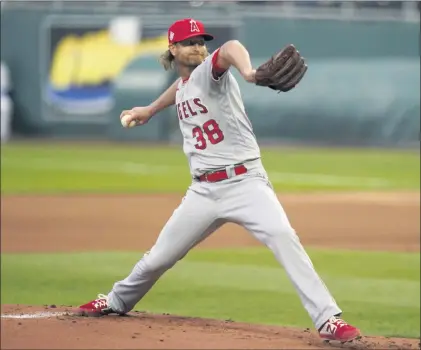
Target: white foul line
x: 34, y: 315
x: 328, y: 180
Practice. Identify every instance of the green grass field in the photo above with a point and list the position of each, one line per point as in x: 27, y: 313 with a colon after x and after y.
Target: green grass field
x: 42, y: 168
x: 379, y: 292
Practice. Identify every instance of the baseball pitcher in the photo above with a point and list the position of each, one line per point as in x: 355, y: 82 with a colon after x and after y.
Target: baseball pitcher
x: 229, y: 182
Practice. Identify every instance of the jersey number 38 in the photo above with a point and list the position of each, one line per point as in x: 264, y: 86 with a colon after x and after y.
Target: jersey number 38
x: 212, y: 131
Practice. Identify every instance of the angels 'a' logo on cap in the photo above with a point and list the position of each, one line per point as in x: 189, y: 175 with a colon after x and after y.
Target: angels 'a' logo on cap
x: 193, y: 26
x: 171, y: 35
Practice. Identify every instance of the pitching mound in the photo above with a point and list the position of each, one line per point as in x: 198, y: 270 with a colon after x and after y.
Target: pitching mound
x: 53, y: 327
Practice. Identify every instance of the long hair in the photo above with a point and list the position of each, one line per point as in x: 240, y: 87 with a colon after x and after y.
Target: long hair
x: 167, y: 59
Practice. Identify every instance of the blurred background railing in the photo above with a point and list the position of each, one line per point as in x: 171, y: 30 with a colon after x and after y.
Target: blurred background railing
x: 73, y: 65
x: 326, y: 9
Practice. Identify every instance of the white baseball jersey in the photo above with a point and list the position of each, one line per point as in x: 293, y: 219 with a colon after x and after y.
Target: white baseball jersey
x: 216, y: 130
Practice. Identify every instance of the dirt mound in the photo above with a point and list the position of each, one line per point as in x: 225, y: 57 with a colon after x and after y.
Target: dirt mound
x: 59, y: 328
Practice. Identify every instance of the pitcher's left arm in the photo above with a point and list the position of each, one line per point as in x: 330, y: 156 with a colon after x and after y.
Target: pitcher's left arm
x: 282, y: 72
x: 233, y: 53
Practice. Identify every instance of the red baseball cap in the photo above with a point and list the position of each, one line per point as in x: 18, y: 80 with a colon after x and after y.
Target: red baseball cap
x: 187, y: 28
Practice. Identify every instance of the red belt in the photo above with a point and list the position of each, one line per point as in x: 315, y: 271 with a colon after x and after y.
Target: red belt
x: 220, y: 175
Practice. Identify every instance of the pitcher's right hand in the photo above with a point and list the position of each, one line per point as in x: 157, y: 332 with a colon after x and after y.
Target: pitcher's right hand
x: 139, y: 115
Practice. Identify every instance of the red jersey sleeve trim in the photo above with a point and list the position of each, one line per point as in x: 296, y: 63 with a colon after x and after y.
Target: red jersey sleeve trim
x: 216, y: 70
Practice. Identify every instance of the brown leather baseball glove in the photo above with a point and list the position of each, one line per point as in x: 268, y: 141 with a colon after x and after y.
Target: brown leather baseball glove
x: 283, y: 71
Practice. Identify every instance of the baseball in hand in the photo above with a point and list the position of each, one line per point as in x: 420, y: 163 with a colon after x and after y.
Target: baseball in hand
x: 125, y: 121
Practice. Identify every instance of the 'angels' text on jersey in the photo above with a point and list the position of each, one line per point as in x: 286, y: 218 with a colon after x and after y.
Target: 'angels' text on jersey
x: 190, y: 108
